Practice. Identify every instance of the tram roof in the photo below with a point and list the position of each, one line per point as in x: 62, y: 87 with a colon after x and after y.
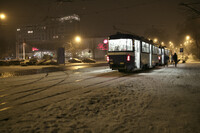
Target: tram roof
x: 119, y: 35
x: 131, y: 36
x: 122, y: 35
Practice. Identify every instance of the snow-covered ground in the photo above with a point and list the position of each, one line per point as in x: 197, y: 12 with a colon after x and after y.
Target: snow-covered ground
x: 97, y: 99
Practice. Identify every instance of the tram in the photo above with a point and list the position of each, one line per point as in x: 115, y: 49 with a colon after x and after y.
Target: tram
x: 127, y: 52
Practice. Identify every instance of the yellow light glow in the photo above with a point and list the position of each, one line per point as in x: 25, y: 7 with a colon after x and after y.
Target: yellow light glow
x: 187, y: 37
x: 78, y: 39
x: 155, y: 40
x: 2, y: 16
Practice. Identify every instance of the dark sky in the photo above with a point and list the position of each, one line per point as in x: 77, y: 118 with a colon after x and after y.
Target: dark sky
x: 99, y: 16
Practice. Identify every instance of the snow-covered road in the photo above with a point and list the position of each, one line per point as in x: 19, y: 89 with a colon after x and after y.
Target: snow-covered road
x: 97, y: 99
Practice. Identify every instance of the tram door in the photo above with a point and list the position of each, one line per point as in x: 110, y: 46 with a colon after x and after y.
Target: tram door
x: 137, y: 53
x: 163, y: 52
x: 150, y: 55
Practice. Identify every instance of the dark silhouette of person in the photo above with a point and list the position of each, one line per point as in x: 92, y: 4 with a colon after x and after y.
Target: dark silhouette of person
x: 175, y: 58
x: 166, y: 60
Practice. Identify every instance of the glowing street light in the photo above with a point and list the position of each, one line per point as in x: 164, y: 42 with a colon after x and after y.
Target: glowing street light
x: 2, y: 16
x: 171, y: 43
x: 155, y: 40
x: 187, y: 37
x: 78, y: 39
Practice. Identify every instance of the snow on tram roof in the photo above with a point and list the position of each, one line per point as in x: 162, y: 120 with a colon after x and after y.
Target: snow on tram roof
x: 131, y: 36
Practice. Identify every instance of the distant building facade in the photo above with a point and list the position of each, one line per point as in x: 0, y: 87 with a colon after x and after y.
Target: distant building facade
x: 50, y: 35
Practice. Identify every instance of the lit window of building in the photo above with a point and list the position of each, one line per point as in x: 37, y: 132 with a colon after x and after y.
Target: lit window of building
x: 54, y: 37
x: 29, y: 32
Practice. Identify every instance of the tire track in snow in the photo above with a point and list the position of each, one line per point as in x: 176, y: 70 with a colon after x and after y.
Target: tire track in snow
x: 32, y: 82
x: 58, y: 94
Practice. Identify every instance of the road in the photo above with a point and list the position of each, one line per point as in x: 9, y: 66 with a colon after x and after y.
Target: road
x: 97, y: 99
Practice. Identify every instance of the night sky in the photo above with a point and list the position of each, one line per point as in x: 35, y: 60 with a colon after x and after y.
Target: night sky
x: 98, y: 17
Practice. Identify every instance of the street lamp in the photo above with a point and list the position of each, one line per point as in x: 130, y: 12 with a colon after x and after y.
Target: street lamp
x: 187, y: 37
x: 2, y: 16
x: 78, y: 39
x: 155, y: 40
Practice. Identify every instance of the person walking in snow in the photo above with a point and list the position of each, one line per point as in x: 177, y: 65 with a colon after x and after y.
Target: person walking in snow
x: 175, y: 58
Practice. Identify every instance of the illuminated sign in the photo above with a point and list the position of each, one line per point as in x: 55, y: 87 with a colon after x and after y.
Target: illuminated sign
x: 102, y: 46
x: 34, y: 49
x: 105, y: 41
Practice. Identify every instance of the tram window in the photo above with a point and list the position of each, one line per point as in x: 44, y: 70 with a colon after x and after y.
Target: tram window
x: 154, y: 50
x: 121, y: 45
x: 145, y: 47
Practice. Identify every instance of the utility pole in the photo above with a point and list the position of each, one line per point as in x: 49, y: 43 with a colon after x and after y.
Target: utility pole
x: 17, y: 51
x: 24, y: 53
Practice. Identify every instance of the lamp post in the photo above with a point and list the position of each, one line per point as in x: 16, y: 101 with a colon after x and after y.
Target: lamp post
x: 71, y: 43
x: 24, y: 52
x: 187, y: 37
x: 2, y: 17
x: 78, y: 39
x: 155, y: 40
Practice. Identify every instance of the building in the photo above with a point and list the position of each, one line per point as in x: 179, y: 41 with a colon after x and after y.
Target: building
x: 48, y: 36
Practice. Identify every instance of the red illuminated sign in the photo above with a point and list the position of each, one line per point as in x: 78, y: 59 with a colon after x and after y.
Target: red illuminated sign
x: 34, y: 49
x: 102, y: 46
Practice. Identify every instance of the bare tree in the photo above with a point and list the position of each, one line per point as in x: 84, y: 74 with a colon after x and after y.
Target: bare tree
x: 192, y: 24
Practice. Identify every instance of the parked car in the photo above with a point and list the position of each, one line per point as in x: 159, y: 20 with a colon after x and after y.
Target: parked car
x: 74, y: 60
x: 32, y: 61
x: 88, y: 60
x: 24, y: 62
x: 49, y: 62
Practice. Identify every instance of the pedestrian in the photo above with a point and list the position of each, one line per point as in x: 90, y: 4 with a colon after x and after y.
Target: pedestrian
x: 175, y: 58
x: 166, y: 59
